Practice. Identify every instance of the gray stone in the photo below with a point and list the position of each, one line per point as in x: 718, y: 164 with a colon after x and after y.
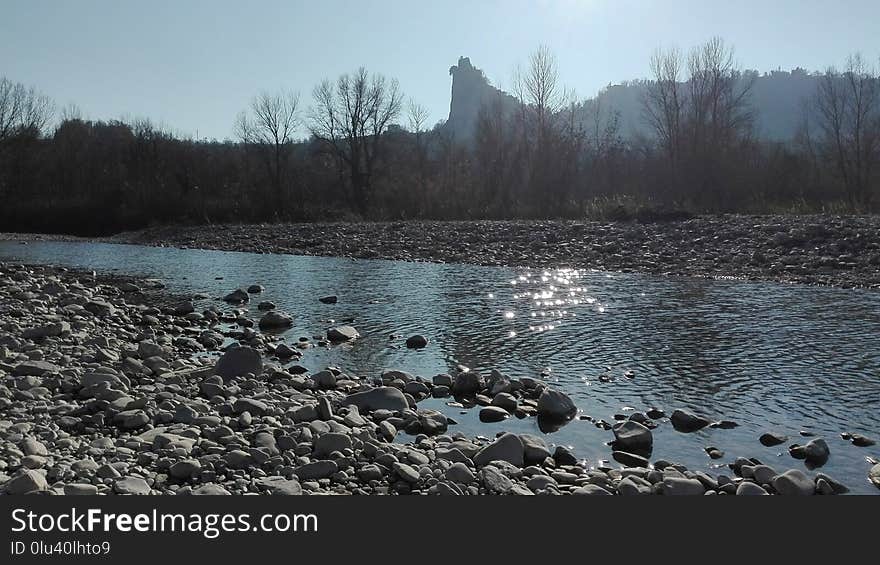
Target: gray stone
x: 406, y: 472
x: 794, y: 482
x: 342, y: 333
x: 460, y: 473
x: 185, y: 469
x: 316, y: 470
x: 509, y: 447
x: 747, y: 488
x: 238, y: 361
x: 380, y: 398
x: 682, y: 486
x: 26, y: 481
x: 275, y: 319
x: 591, y: 490
x: 80, y: 489
x: 131, y: 485
x: 494, y: 481
x: 279, y: 486
x: 326, y: 444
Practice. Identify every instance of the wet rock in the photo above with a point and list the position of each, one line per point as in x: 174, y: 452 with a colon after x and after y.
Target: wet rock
x: 342, y: 333
x: 237, y: 296
x: 815, y: 452
x: 631, y: 435
x: 555, y: 405
x: 275, y: 319
x: 416, y: 341
x: 771, y: 439
x: 467, y: 384
x: 265, y: 305
x: 256, y: 289
x: 686, y: 422
x: 493, y: 414
x: 861, y: 441
x: 331, y: 299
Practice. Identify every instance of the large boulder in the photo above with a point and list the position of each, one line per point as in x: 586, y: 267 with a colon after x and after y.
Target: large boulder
x: 555, y: 405
x: 381, y: 398
x: 794, y: 482
x: 238, y: 361
x: 633, y: 435
x: 275, y: 319
x: 685, y: 422
x: 509, y: 447
x: 815, y: 452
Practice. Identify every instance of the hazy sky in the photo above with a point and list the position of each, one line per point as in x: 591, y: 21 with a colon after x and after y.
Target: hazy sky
x: 193, y: 65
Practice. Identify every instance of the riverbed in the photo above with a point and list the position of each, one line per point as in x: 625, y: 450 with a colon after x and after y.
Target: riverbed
x: 770, y: 357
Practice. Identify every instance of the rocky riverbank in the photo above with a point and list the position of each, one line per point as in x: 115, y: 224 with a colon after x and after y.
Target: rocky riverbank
x: 840, y: 251
x: 112, y: 386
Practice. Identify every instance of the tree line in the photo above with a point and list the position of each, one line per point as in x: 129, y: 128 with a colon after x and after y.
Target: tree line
x: 368, y: 154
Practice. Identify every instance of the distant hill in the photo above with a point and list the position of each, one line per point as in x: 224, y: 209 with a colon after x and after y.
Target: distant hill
x: 778, y: 98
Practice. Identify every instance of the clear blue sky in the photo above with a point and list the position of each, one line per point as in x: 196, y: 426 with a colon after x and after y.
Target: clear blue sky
x: 193, y: 65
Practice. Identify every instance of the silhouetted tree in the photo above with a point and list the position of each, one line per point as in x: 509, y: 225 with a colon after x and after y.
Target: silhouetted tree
x: 269, y: 128
x: 350, y: 117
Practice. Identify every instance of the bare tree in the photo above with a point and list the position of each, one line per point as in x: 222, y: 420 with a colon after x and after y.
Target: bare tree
x: 22, y: 110
x: 350, y: 117
x: 663, y: 105
x: 700, y: 119
x: 270, y: 125
x: 417, y: 116
x: 849, y: 114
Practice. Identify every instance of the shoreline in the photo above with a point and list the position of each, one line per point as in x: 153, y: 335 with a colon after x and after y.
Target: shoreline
x: 103, y: 394
x: 825, y: 250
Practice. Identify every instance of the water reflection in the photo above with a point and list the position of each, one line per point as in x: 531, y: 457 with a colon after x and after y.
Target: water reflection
x: 770, y: 357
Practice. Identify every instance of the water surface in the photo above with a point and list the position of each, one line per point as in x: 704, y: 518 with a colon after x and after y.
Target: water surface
x: 767, y: 356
